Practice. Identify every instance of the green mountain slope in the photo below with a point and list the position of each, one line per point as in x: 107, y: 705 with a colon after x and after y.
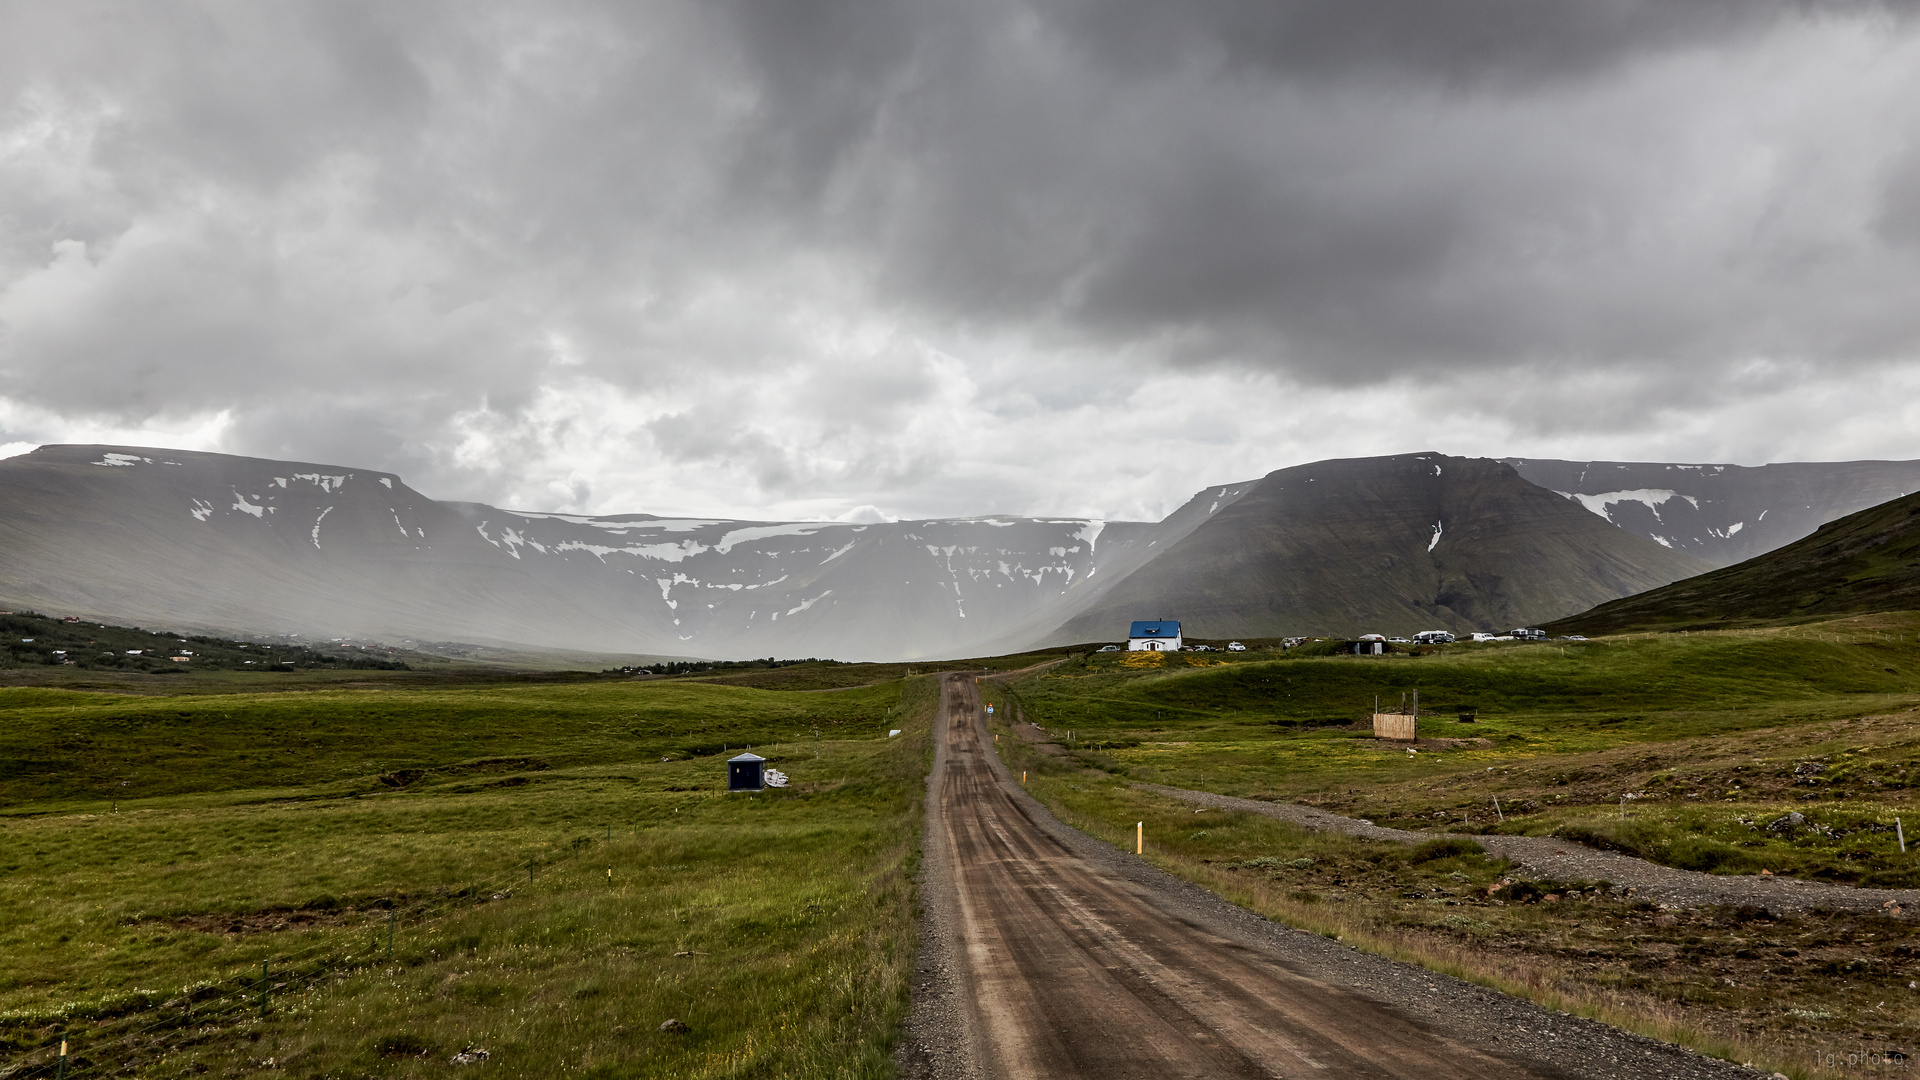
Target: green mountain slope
x: 1866, y: 562
x: 1385, y: 545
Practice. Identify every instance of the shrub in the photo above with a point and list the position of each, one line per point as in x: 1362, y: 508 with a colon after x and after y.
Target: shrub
x: 1446, y: 847
x: 1698, y: 853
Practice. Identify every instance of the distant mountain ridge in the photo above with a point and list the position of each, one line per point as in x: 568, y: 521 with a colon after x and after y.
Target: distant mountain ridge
x: 169, y: 537
x: 251, y: 546
x: 1723, y: 513
x: 1863, y: 563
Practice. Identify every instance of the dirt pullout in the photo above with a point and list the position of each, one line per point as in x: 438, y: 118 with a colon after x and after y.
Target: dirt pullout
x: 1051, y: 954
x: 1564, y: 860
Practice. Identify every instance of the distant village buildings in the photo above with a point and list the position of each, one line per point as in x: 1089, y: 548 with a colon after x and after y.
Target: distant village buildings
x: 1161, y: 635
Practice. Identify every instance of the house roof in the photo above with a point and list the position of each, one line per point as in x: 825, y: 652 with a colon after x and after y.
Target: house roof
x: 1164, y: 628
x: 747, y: 757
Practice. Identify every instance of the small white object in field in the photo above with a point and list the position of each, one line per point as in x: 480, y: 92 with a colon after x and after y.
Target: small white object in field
x: 776, y: 778
x: 892, y: 733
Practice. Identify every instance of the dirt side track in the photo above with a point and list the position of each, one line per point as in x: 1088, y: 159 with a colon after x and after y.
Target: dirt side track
x: 1046, y: 953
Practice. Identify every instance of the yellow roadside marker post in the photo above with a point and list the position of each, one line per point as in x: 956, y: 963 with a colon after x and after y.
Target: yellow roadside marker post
x: 1139, y: 838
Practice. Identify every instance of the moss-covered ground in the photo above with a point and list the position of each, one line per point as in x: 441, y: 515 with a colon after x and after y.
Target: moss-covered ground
x: 555, y: 866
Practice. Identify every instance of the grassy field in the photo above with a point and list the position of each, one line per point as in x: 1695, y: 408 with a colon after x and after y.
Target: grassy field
x: 1684, y: 749
x: 557, y: 867
x: 1780, y: 991
x: 1679, y: 748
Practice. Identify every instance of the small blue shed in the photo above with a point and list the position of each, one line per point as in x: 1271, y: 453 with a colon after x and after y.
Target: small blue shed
x: 748, y: 772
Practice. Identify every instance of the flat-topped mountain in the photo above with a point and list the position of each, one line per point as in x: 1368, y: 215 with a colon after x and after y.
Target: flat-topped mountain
x: 168, y: 537
x: 1393, y: 545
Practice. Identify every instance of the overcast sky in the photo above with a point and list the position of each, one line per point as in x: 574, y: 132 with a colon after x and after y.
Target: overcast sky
x: 800, y: 257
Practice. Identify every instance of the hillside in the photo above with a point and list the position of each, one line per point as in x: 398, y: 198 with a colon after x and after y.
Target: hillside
x: 258, y: 547
x: 1722, y: 513
x: 1865, y: 562
x: 255, y: 548
x: 31, y: 640
x: 1385, y: 545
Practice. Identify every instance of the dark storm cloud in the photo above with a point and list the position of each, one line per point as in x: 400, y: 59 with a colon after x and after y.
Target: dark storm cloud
x: 738, y: 234
x: 1331, y: 187
x: 1470, y: 43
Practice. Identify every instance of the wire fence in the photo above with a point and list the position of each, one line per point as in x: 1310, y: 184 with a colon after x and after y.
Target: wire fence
x: 142, y: 1026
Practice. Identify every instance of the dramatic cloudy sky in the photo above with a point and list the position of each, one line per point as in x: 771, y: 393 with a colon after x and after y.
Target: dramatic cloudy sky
x: 800, y: 257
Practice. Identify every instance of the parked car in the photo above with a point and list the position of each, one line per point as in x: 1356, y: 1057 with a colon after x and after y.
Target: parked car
x: 1574, y: 637
x: 1288, y: 643
x: 1528, y: 633
x: 1399, y: 641
x: 1108, y: 648
x: 1433, y: 637
x: 1234, y: 646
x: 1372, y: 637
x: 1478, y: 636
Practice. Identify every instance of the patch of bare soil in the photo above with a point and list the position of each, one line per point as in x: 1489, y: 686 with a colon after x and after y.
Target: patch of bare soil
x: 1037, y: 737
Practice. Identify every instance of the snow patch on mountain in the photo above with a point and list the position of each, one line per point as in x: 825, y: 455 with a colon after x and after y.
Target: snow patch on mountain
x: 324, y: 481
x: 761, y: 532
x: 1652, y: 498
x: 805, y: 604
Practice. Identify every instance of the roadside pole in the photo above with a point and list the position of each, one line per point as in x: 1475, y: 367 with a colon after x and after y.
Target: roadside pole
x: 1139, y: 838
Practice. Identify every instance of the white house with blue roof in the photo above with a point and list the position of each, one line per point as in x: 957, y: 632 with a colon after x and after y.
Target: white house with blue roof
x: 1159, y: 636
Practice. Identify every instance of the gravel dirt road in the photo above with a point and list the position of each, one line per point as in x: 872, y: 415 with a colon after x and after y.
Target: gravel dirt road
x: 1564, y: 860
x: 1046, y: 953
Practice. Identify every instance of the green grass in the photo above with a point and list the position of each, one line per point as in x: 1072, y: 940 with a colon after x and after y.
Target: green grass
x: 61, y: 747
x: 1711, y: 736
x: 1740, y: 984
x: 289, y: 827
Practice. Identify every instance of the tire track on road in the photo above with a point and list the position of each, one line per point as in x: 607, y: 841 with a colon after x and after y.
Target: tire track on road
x: 1060, y: 957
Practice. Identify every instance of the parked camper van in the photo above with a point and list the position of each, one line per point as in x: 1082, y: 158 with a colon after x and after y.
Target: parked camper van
x: 1433, y: 637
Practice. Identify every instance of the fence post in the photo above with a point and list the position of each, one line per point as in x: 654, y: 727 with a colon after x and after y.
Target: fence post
x: 390, y: 916
x: 1901, y: 832
x: 63, y: 1060
x: 263, y: 989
